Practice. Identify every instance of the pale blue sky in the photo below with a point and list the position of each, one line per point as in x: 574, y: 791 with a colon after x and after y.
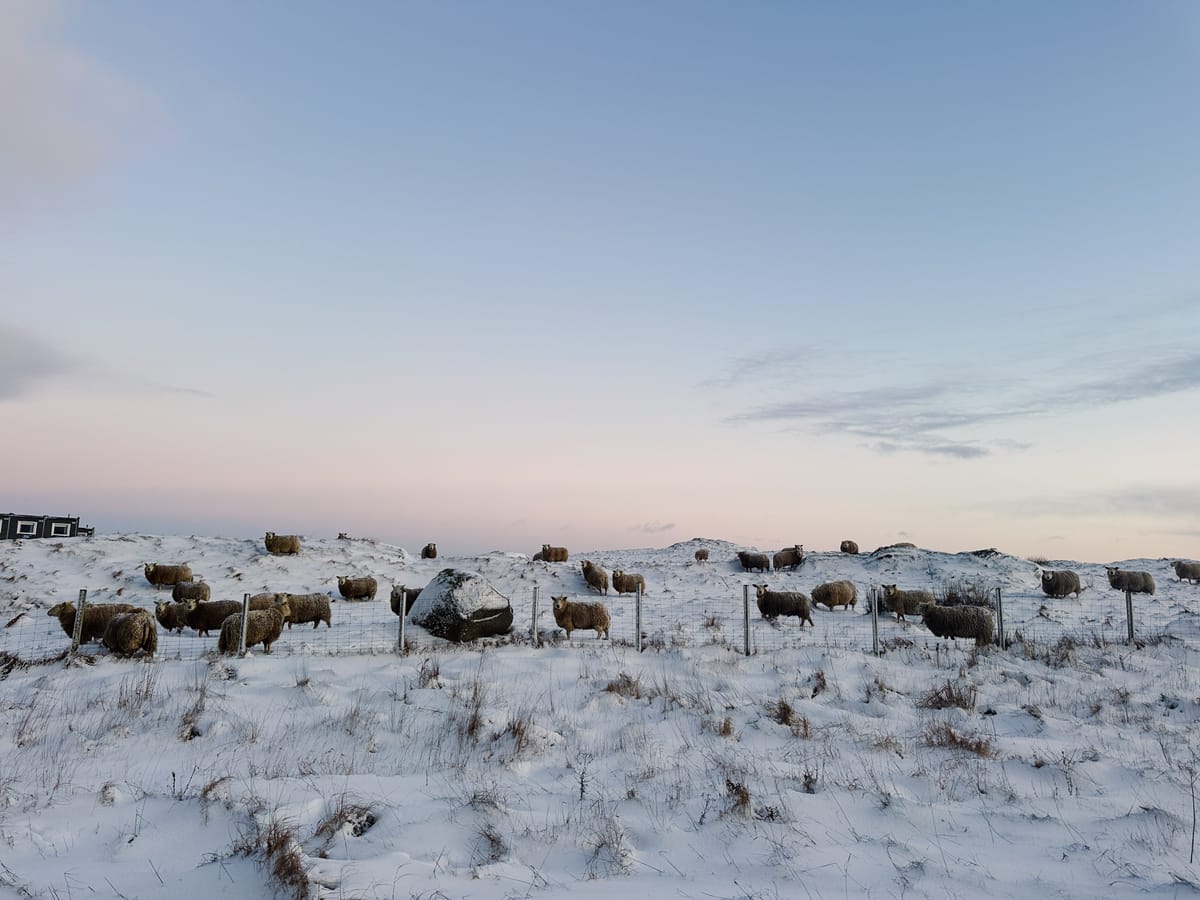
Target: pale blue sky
x: 624, y: 272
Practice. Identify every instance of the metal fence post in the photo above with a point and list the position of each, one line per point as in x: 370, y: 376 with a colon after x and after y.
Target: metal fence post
x: 638, y: 617
x: 77, y: 631
x: 533, y: 636
x: 746, y: 617
x: 1000, y: 616
x: 875, y: 619
x: 401, y: 643
x: 1129, y: 613
x: 245, y: 624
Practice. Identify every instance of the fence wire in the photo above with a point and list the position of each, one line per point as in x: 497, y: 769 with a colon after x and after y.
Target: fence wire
x: 678, y: 620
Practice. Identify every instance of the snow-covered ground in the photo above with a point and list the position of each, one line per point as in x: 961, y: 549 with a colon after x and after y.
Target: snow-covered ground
x: 1062, y: 766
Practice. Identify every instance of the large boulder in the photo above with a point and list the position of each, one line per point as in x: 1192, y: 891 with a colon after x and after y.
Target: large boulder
x: 461, y: 606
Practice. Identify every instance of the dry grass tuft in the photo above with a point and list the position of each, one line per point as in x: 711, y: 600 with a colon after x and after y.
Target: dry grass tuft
x: 943, y: 735
x: 948, y: 695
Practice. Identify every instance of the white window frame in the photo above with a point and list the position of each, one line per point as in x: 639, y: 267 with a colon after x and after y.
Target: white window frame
x: 27, y: 527
x: 60, y: 529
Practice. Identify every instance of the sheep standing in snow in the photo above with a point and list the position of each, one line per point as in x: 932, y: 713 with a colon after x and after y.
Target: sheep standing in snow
x: 959, y: 622
x: 407, y: 595
x: 1187, y: 571
x: 190, y: 590
x: 789, y: 558
x: 282, y: 544
x: 628, y: 582
x: 595, y: 576
x: 206, y: 617
x: 570, y: 616
x: 1126, y: 580
x: 363, y: 588
x: 429, y: 551
x: 171, y: 616
x: 554, y: 554
x: 305, y: 608
x: 849, y: 547
x: 754, y: 561
x: 161, y: 575
x: 773, y: 604
x: 129, y: 632
x: 1058, y: 583
x: 905, y: 603
x: 263, y: 627
x: 701, y: 556
x: 96, y: 617
x: 835, y: 593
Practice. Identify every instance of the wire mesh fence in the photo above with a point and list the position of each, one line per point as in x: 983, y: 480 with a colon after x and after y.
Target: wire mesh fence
x: 730, y: 620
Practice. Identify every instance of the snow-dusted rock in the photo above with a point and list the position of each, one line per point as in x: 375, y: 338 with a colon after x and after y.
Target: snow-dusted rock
x: 459, y: 605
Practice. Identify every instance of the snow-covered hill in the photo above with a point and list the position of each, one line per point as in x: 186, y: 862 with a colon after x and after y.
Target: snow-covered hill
x: 333, y: 767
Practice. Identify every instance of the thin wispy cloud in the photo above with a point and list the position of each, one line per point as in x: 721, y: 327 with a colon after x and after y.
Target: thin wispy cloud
x: 653, y: 527
x: 29, y: 362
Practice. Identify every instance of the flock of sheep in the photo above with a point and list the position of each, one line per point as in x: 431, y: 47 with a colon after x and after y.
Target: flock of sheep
x: 126, y: 629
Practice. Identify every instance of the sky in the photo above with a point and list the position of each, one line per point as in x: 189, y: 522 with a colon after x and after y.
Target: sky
x: 606, y: 275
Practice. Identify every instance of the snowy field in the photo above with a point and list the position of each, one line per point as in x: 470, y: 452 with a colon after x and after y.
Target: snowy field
x: 1063, y: 766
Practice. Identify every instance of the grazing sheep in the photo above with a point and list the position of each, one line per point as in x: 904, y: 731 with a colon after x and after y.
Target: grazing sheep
x: 772, y: 604
x: 1189, y: 571
x: 409, y: 595
x: 96, y: 617
x: 905, y: 603
x: 1134, y: 582
x: 1060, y: 582
x: 263, y: 627
x: 759, y: 561
x: 282, y: 544
x: 701, y: 556
x: 129, y: 632
x: 429, y: 551
x: 835, y: 593
x: 849, y: 547
x: 161, y: 575
x: 342, y: 536
x: 959, y: 622
x: 171, y: 616
x: 206, y: 617
x: 595, y: 576
x: 628, y: 582
x: 554, y: 554
x: 190, y: 590
x: 357, y: 588
x: 570, y: 616
x: 789, y: 557
x: 307, y: 608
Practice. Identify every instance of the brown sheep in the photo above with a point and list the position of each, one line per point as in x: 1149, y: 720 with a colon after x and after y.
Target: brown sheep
x: 190, y: 590
x: 789, y: 557
x: 409, y: 596
x: 835, y: 593
x: 96, y: 617
x: 595, y: 576
x: 1059, y: 583
x: 161, y: 575
x: 773, y: 604
x: 554, y: 554
x: 206, y: 617
x: 129, y: 632
x: 363, y: 588
x: 171, y: 616
x: 1134, y: 582
x: 759, y: 561
x: 849, y: 547
x: 701, y: 556
x: 282, y: 544
x: 305, y: 608
x: 628, y: 583
x: 570, y: 616
x: 263, y: 627
x: 959, y: 622
x: 429, y: 551
x: 905, y: 603
x: 1187, y: 571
